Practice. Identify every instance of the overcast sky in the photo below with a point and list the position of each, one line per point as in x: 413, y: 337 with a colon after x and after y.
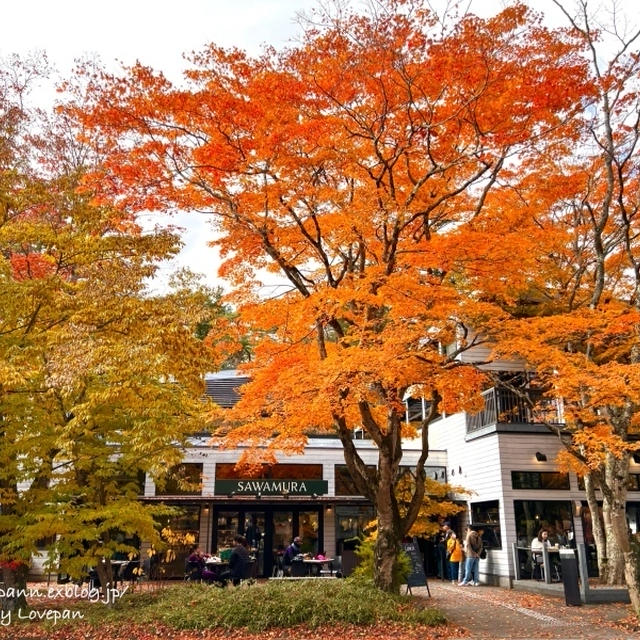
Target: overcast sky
x: 159, y: 32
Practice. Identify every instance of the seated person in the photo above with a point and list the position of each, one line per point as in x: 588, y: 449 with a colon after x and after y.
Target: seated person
x: 537, y: 544
x: 238, y: 562
x: 195, y: 564
x: 293, y: 550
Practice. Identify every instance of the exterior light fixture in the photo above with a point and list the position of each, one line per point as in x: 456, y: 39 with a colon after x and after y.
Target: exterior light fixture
x: 314, y: 496
x: 460, y: 470
x: 258, y: 496
x: 541, y: 457
x: 232, y: 494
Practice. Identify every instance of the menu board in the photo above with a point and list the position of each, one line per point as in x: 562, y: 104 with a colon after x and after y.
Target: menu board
x: 417, y: 577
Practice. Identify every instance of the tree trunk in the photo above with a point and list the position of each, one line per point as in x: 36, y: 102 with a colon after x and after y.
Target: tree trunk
x: 629, y: 554
x: 615, y: 565
x: 597, y: 526
x: 387, y: 546
x: 632, y: 575
x: 614, y: 513
x: 105, y: 575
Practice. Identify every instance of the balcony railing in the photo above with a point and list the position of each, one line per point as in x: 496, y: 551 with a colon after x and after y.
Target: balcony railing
x: 502, y: 406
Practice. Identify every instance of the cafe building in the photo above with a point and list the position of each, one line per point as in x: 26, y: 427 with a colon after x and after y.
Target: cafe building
x: 506, y: 455
x: 503, y: 455
x: 308, y: 495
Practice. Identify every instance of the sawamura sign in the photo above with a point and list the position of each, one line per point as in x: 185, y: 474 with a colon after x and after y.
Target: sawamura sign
x: 271, y: 487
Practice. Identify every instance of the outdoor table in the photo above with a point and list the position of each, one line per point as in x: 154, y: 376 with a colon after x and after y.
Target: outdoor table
x: 216, y: 566
x: 314, y: 565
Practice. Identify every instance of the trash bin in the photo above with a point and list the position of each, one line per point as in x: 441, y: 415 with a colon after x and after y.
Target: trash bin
x: 569, y: 566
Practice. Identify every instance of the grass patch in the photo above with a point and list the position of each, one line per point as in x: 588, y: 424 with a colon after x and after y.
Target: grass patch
x: 263, y: 606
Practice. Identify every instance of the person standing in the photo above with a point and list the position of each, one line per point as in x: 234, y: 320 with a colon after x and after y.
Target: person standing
x: 454, y: 555
x: 473, y: 549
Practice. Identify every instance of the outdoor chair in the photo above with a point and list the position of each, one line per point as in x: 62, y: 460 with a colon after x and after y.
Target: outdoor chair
x: 192, y: 571
x: 129, y: 573
x: 278, y: 569
x: 537, y: 572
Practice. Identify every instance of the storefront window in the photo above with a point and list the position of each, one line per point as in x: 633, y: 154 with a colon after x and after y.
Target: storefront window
x: 549, y: 480
x: 228, y: 471
x: 633, y: 482
x: 533, y: 515
x: 633, y: 522
x: 228, y: 527
x: 344, y: 484
x: 308, y: 526
x: 183, y: 480
x: 183, y: 533
x: 487, y: 516
x: 351, y: 523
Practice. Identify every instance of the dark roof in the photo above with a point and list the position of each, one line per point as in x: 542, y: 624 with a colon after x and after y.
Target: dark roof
x: 221, y: 388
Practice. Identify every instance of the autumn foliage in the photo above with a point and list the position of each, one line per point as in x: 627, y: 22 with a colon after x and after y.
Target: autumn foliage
x: 98, y: 379
x: 380, y: 168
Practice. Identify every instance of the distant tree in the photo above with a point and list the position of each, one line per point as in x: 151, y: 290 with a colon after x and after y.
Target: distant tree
x: 99, y: 381
x: 577, y: 320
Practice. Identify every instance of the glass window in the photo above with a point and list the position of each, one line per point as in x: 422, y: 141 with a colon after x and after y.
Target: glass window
x: 550, y: 480
x: 633, y: 517
x: 633, y: 482
x: 533, y: 515
x: 228, y: 527
x: 487, y: 516
x: 351, y: 522
x: 183, y: 480
x: 183, y: 533
x: 129, y: 483
x: 344, y: 484
x: 308, y: 526
x: 228, y: 471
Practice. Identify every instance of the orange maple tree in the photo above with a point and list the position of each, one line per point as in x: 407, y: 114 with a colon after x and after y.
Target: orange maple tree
x: 357, y: 165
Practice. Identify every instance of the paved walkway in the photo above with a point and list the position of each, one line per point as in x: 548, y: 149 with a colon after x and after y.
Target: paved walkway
x: 500, y: 613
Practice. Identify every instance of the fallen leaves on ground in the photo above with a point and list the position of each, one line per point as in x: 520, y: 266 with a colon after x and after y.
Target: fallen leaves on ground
x: 387, y: 631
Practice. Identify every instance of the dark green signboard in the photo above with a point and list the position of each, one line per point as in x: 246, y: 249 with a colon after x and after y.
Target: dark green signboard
x: 271, y: 487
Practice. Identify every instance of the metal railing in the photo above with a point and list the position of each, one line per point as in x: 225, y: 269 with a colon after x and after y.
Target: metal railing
x: 502, y: 406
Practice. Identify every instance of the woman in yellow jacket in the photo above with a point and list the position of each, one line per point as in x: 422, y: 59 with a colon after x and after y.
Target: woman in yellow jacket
x: 454, y: 555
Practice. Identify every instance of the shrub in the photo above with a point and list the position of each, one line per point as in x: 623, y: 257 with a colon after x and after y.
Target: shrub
x: 270, y: 605
x: 365, y: 569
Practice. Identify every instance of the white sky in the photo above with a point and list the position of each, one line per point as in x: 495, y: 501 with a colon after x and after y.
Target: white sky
x: 159, y: 32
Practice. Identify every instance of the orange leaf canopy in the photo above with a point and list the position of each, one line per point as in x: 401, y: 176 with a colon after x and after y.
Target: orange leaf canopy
x: 358, y: 165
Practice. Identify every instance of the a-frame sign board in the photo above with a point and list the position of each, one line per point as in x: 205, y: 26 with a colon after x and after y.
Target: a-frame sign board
x: 417, y: 577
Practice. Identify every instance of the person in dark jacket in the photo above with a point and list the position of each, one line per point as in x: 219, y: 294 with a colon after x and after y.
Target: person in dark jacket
x: 294, y: 549
x: 239, y: 560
